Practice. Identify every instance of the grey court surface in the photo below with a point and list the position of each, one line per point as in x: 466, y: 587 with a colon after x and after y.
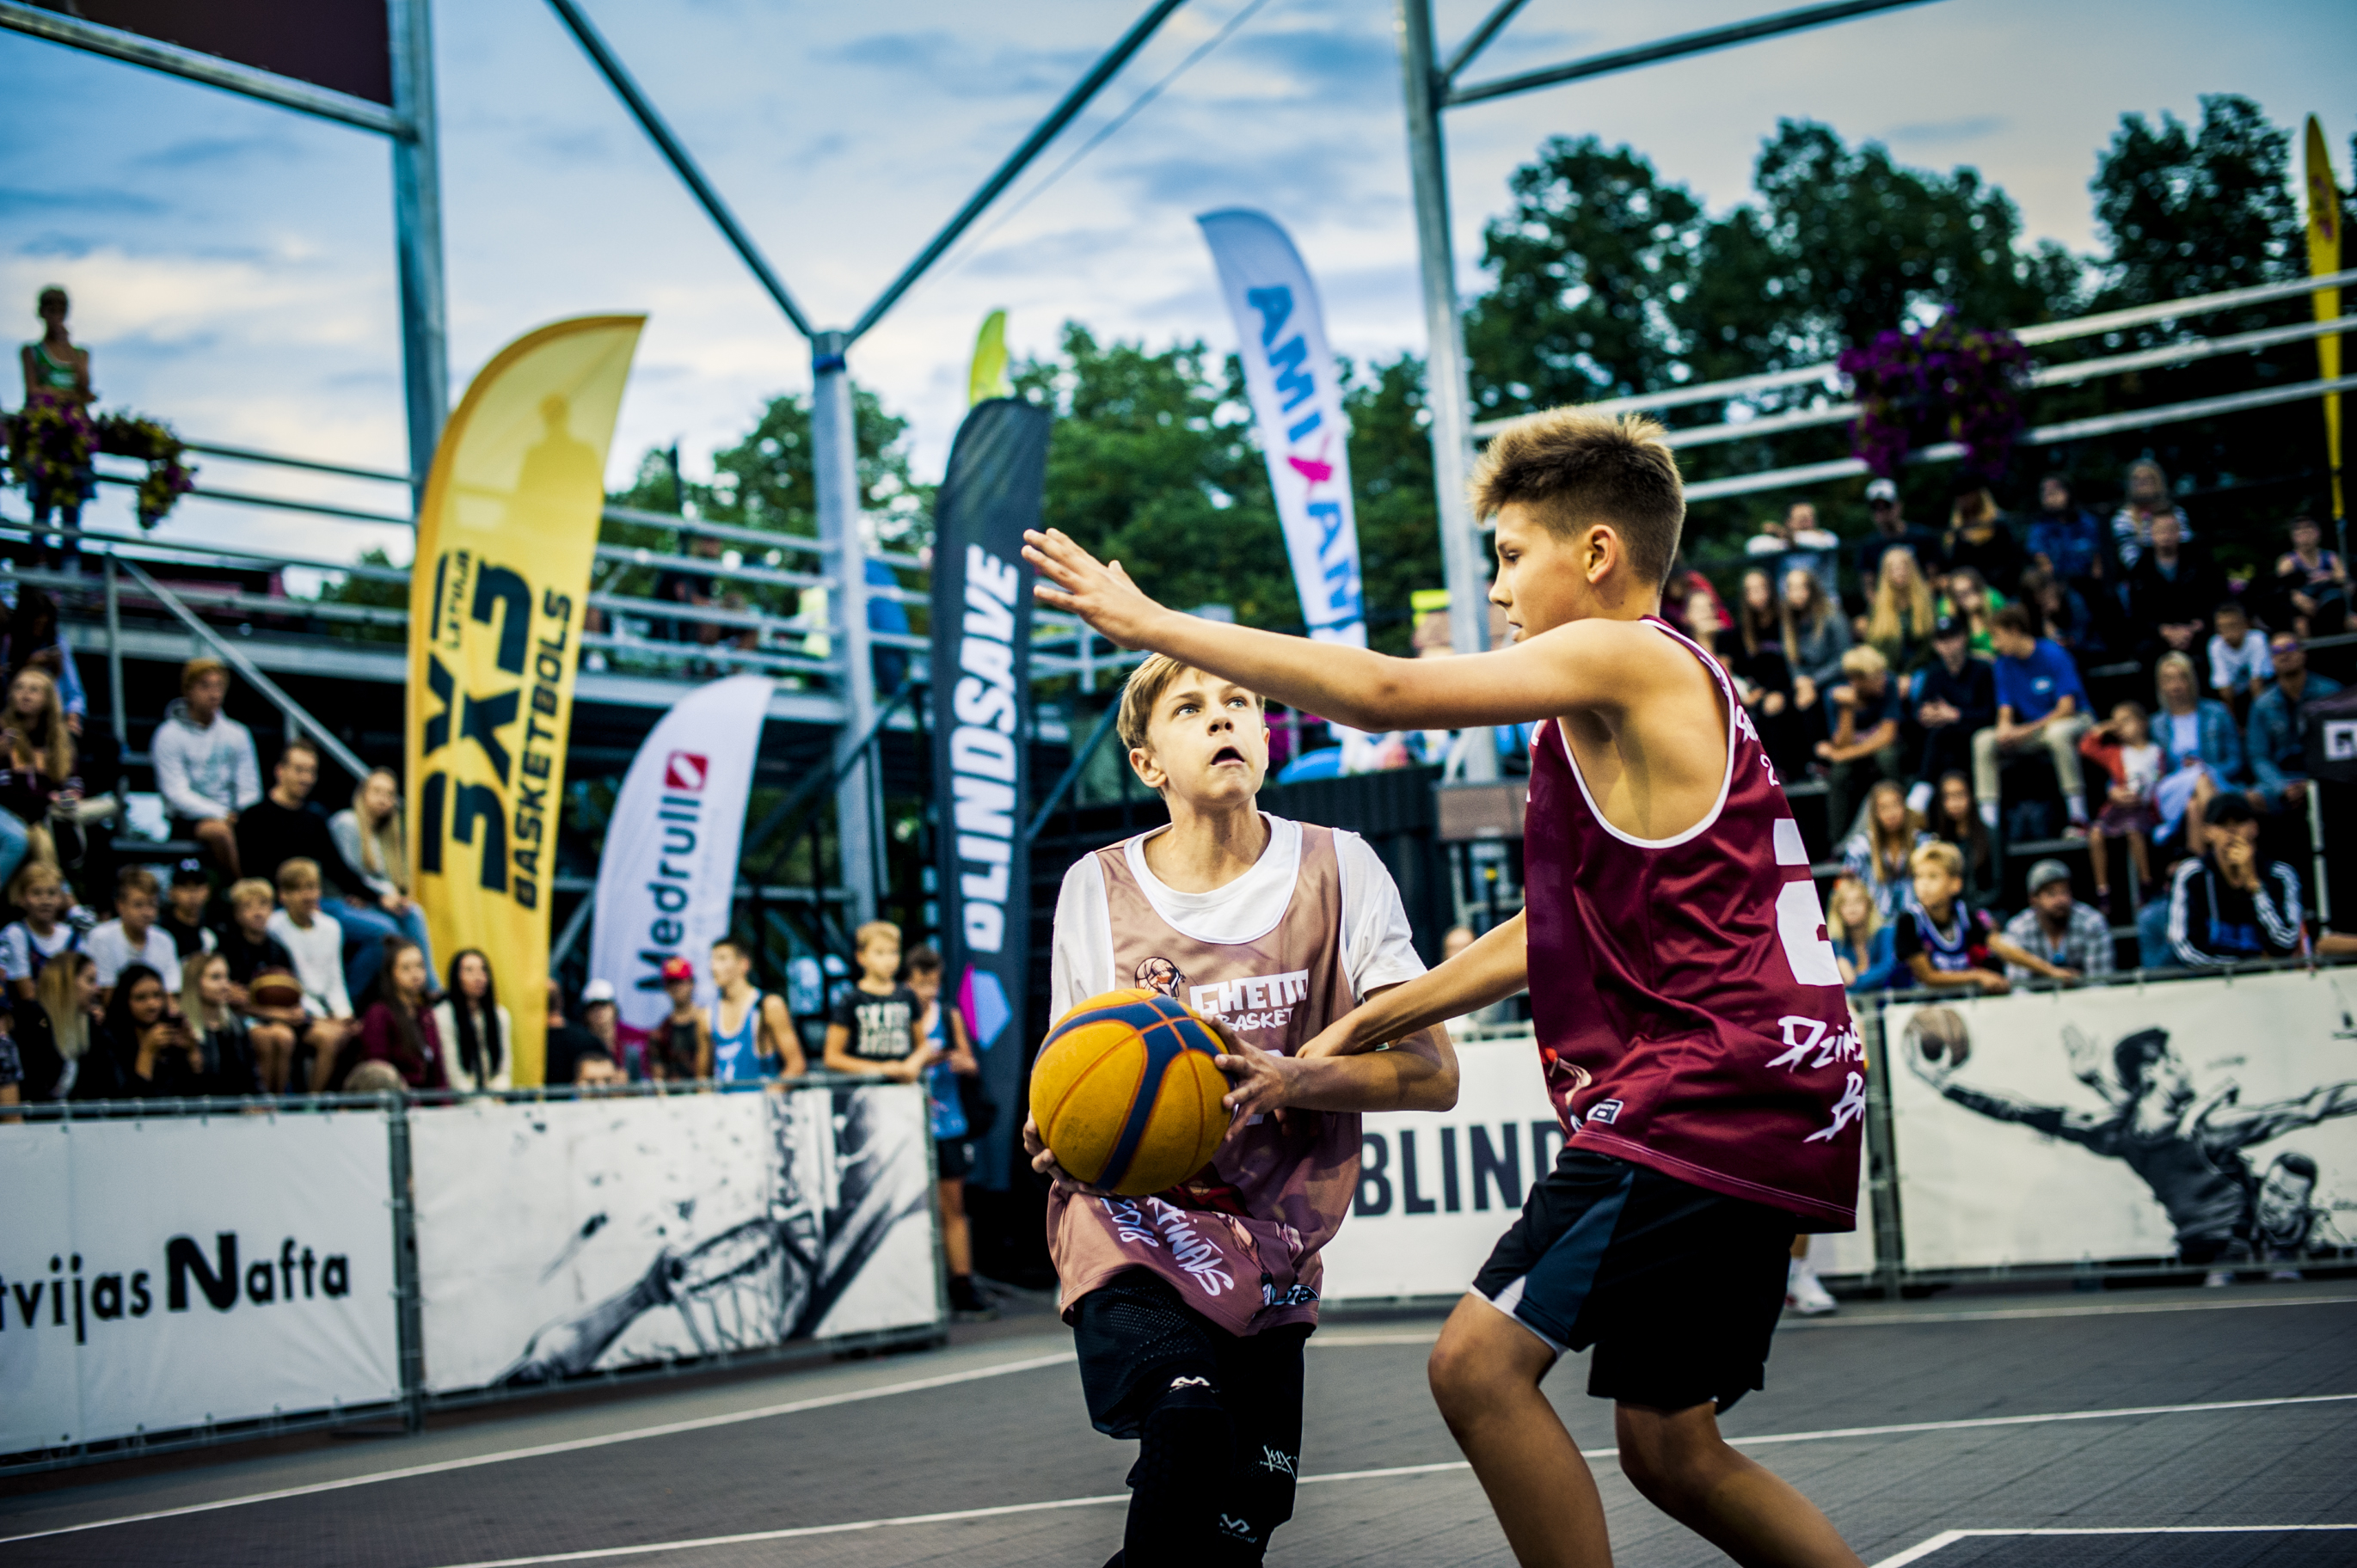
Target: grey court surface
x: 2167, y: 1429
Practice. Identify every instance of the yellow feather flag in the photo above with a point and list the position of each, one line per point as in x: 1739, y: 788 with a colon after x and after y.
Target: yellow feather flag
x: 2324, y: 256
x: 988, y: 378
x: 505, y: 538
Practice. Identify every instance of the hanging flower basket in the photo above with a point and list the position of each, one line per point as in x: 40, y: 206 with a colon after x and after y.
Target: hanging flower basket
x: 150, y: 441
x: 1946, y: 383
x: 50, y: 442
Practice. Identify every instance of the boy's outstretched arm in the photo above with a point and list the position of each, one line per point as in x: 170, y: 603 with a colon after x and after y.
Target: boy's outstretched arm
x: 1596, y: 663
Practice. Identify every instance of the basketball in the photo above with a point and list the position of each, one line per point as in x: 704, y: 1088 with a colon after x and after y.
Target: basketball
x: 1939, y: 1031
x: 1125, y: 1093
x: 274, y: 988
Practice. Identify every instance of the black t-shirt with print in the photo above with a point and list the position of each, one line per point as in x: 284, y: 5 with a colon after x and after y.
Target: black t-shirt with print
x: 880, y: 1025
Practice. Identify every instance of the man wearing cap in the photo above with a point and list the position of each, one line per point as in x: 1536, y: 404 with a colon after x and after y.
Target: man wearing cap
x: 680, y: 1049
x: 1955, y: 695
x: 2275, y: 744
x: 2057, y: 928
x: 1892, y: 526
x: 205, y: 769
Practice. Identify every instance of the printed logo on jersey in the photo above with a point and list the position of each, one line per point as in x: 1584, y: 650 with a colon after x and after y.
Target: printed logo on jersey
x: 1847, y: 1110
x: 1256, y: 1002
x: 1159, y: 974
x: 1604, y: 1112
x: 1136, y: 1222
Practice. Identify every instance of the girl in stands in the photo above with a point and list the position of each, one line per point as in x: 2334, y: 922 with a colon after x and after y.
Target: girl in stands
x: 225, y: 1051
x: 65, y: 1050
x: 399, y: 1026
x: 1898, y: 618
x: 474, y: 1027
x: 1876, y: 854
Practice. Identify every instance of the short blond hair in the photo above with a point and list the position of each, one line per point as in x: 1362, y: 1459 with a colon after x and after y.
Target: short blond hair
x: 1144, y: 689
x: 1865, y: 660
x: 251, y: 889
x: 1942, y: 853
x: 299, y: 873
x: 1574, y: 468
x: 196, y: 670
x: 871, y: 931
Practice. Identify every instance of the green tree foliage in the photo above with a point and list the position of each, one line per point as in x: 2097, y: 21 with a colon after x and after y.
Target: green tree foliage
x: 2191, y: 211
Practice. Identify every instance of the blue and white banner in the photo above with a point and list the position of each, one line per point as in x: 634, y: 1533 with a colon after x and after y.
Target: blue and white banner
x: 669, y: 872
x: 1296, y: 398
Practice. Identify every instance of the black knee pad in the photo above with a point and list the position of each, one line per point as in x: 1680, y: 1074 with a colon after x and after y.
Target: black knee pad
x: 1185, y: 1451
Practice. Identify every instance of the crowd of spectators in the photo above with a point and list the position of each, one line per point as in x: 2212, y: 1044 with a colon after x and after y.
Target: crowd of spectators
x: 1942, y: 697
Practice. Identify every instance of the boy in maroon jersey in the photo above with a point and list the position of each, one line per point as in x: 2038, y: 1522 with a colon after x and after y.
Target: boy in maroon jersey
x: 1689, y: 1011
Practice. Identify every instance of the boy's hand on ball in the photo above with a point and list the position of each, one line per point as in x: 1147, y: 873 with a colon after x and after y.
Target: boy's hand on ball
x: 1079, y: 583
x: 1264, y: 1080
x: 1045, y: 1163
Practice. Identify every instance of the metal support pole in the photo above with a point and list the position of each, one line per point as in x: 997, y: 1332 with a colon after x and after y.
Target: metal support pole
x: 417, y: 237
x: 1446, y: 392
x: 409, y: 1309
x: 835, y: 476
x: 114, y: 658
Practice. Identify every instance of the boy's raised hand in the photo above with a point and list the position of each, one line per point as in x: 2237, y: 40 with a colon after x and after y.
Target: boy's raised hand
x: 1076, y: 581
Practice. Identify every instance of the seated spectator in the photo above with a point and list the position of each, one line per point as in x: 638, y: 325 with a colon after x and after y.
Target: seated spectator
x: 1866, y: 708
x: 206, y: 767
x: 680, y: 1051
x: 595, y: 1070
x: 272, y: 1028
x: 1770, y: 542
x: 61, y: 1040
x: 2225, y: 907
x: 2200, y: 750
x: 1955, y: 819
x: 284, y: 825
x: 1816, y: 635
x: 1878, y: 853
x: 1956, y: 699
x: 2277, y: 747
x: 372, y: 1078
x: 2313, y: 583
x: 222, y: 1057
x: 2061, y: 614
x: 1763, y: 679
x: 39, y: 773
x: 1899, y: 612
x: 1861, y: 938
x: 2123, y: 748
x: 31, y: 639
x: 2074, y: 940
x: 49, y: 927
x: 1943, y: 942
x: 156, y: 1056
x: 2065, y: 537
x: 1980, y: 539
x: 475, y: 1030
x: 1679, y: 591
x: 1965, y: 596
x: 316, y: 942
x: 1815, y: 548
x: 399, y: 1025
x: 1886, y: 512
x: 183, y: 919
x: 133, y: 936
x: 368, y: 838
x: 2240, y: 664
x: 2039, y: 703
x: 2148, y: 502
x: 2172, y: 591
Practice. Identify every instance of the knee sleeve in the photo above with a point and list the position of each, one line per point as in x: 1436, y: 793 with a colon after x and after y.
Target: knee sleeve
x: 1185, y: 1453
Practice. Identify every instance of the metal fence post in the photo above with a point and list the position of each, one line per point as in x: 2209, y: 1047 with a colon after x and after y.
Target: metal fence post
x: 408, y: 1306
x: 1882, y: 1164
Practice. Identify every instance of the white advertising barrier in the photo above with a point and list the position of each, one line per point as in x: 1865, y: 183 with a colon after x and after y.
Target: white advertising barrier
x: 669, y: 870
x: 1436, y: 1191
x: 163, y: 1273
x: 2214, y: 1120
x: 570, y: 1237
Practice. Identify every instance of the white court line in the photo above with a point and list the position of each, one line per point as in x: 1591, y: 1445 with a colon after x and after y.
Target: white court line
x: 574, y: 1445
x: 1435, y: 1469
x: 1923, y: 1549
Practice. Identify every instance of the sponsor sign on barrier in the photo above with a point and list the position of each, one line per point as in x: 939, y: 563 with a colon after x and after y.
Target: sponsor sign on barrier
x: 1436, y: 1191
x: 568, y: 1237
x: 2211, y: 1120
x: 177, y: 1271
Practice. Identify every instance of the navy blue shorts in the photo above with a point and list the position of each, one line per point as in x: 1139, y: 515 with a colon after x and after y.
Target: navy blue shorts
x: 1677, y: 1288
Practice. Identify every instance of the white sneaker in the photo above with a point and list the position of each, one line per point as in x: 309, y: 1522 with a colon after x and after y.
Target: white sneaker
x: 1804, y: 1293
x: 2218, y: 1279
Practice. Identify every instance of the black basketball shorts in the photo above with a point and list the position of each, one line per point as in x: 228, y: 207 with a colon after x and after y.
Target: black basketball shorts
x: 1677, y: 1288
x: 954, y: 1159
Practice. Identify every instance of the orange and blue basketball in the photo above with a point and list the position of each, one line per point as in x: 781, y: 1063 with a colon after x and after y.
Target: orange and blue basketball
x: 1126, y: 1093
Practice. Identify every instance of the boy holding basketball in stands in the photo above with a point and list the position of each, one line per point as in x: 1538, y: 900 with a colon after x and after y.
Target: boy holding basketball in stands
x: 1191, y: 1308
x: 1689, y: 1011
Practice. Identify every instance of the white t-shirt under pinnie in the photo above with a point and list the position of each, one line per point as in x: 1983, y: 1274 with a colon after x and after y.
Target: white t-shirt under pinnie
x: 1378, y: 950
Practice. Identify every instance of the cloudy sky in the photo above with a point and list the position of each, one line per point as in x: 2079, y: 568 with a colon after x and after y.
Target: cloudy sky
x: 231, y: 263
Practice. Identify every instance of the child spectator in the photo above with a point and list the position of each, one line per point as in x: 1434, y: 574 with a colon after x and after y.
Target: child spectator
x: 2064, y: 537
x: 1900, y: 611
x: 38, y: 772
x: 2200, y: 750
x: 61, y: 1043
x: 1816, y: 635
x: 2240, y: 664
x: 1980, y: 540
x: 2039, y: 703
x: 595, y: 1070
x: 2172, y: 591
x: 183, y: 919
x: 2148, y: 502
x: 475, y: 1030
x: 761, y: 1044
x: 2278, y: 746
x: 2060, y: 615
x: 2123, y: 748
x: 156, y: 1056
x: 680, y: 1050
x: 565, y: 1041
x: 1763, y: 677
x: 943, y: 1030
x: 2074, y: 940
x: 1864, y: 746
x: 1956, y: 699
x: 223, y: 1054
x: 133, y: 936
x: 206, y: 767
x: 399, y: 1026
x: 1966, y: 597
x: 372, y: 1078
x: 1861, y: 939
x: 2313, y: 583
x: 52, y: 924
x: 284, y: 825
x: 1946, y: 943
x: 316, y: 942
x: 250, y: 952
x: 603, y: 1019
x: 1878, y: 853
x: 873, y: 1027
x: 1957, y: 820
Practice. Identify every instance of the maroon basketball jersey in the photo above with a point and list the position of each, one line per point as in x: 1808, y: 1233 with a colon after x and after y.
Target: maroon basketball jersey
x: 1689, y: 1011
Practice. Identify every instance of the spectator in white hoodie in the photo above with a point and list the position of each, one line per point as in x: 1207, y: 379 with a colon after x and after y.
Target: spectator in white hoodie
x: 205, y: 762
